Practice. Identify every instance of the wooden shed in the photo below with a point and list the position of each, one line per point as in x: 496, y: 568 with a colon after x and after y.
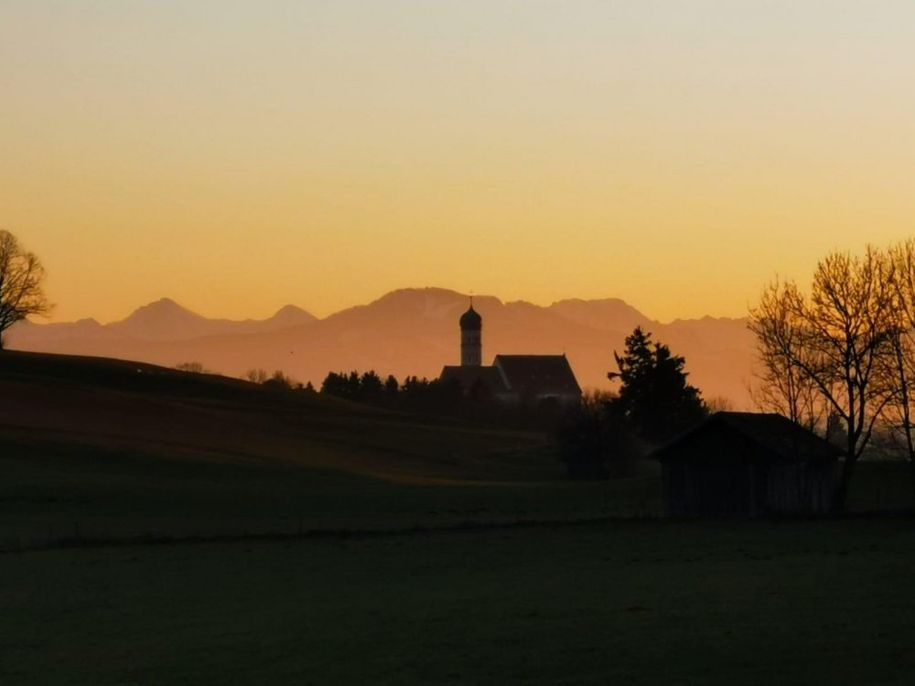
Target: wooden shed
x: 741, y: 464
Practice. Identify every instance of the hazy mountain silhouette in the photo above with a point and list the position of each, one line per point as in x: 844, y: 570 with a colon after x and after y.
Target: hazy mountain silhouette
x: 408, y: 331
x: 165, y: 320
x: 611, y: 314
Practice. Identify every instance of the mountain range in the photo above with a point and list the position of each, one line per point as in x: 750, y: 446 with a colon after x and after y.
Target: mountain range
x: 411, y: 331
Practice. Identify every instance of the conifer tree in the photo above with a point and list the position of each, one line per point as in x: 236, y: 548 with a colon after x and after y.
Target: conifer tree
x: 654, y: 399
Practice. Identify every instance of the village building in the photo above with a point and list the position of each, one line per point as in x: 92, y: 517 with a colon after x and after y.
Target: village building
x: 741, y: 464
x: 511, y: 379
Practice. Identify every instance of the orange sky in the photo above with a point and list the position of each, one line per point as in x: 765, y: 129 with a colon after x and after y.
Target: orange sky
x: 239, y: 156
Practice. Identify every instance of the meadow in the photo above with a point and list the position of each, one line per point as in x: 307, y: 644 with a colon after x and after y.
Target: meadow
x: 77, y: 495
x: 326, y: 543
x: 626, y: 602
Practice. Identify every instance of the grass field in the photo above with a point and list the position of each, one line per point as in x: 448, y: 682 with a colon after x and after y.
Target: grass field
x: 162, y: 528
x: 64, y: 493
x: 78, y: 494
x: 630, y: 602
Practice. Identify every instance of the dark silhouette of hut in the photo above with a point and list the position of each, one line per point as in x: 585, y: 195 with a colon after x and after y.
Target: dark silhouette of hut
x: 741, y: 464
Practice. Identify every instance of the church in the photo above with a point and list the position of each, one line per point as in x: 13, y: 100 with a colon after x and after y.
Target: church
x: 511, y: 379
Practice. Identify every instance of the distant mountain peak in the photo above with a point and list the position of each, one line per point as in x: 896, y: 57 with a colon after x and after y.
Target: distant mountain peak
x: 431, y: 303
x: 159, y: 320
x: 287, y: 310
x: 418, y: 294
x: 433, y: 294
x: 162, y: 305
x: 604, y: 313
x: 291, y: 315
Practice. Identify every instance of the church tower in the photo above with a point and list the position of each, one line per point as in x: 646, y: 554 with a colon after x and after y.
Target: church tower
x: 471, y: 338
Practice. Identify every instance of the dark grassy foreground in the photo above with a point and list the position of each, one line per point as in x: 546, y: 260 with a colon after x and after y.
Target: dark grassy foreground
x: 164, y: 528
x: 60, y: 494
x: 57, y: 494
x: 635, y: 603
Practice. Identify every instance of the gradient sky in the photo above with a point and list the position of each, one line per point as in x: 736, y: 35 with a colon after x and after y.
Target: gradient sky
x: 237, y: 156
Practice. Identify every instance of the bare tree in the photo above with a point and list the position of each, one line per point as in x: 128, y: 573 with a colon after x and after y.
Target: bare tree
x: 719, y: 403
x: 900, y: 370
x: 21, y: 284
x: 258, y: 376
x: 192, y: 367
x: 783, y: 386
x: 838, y: 341
x: 850, y: 322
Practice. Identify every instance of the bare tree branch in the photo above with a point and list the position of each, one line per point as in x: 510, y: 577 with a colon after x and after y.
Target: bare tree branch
x: 21, y: 284
x: 833, y: 345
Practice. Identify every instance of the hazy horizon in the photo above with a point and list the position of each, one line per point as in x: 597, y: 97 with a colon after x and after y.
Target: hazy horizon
x: 272, y: 312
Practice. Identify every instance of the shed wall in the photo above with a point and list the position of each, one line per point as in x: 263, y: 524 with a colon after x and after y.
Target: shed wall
x: 800, y: 487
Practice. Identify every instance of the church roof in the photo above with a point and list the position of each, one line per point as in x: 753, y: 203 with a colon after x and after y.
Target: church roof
x: 471, y: 319
x: 537, y: 374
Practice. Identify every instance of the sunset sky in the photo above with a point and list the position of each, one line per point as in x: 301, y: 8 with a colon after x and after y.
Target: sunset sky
x: 238, y: 156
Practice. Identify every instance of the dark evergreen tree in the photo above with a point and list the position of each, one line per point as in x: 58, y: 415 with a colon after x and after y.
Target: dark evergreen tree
x: 371, y: 388
x: 332, y: 384
x: 353, y: 385
x: 279, y: 381
x: 341, y: 385
x: 655, y: 399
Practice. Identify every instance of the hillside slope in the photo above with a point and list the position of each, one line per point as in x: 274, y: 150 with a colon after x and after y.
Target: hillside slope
x: 154, y: 411
x: 102, y: 450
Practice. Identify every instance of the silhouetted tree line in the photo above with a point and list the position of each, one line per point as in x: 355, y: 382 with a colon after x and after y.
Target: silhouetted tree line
x: 414, y: 394
x: 609, y: 433
x: 277, y: 381
x: 438, y: 398
x: 192, y: 367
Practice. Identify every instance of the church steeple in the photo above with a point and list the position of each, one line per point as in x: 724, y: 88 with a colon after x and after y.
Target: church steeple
x: 471, y: 338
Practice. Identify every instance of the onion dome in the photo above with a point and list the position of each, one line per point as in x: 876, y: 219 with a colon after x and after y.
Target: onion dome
x: 471, y: 319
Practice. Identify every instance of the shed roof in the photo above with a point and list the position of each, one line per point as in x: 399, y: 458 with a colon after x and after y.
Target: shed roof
x: 537, y: 374
x: 777, y: 437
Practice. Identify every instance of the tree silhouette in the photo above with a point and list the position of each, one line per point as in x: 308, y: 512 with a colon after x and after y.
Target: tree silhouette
x: 371, y: 388
x: 899, y: 370
x: 782, y: 385
x: 841, y: 342
x: 21, y: 279
x: 257, y: 376
x: 654, y: 399
x: 279, y: 381
x: 391, y: 387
